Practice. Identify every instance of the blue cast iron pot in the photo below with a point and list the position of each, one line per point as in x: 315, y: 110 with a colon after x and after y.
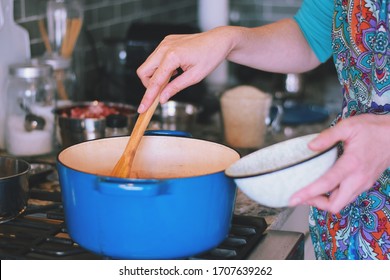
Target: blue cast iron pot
x: 180, y: 204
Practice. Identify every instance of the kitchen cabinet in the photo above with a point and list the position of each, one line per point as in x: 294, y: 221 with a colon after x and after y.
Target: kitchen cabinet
x: 279, y: 219
x: 297, y: 220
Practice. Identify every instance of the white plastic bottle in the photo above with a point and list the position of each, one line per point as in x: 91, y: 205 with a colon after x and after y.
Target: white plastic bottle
x: 14, y: 48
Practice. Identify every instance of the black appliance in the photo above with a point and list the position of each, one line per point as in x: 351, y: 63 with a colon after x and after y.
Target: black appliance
x: 40, y: 232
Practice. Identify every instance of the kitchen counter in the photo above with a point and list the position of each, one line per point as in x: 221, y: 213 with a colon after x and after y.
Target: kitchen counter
x: 275, y: 217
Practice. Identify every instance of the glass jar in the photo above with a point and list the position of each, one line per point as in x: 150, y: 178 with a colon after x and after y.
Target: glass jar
x: 64, y: 77
x: 30, y: 118
x: 64, y: 21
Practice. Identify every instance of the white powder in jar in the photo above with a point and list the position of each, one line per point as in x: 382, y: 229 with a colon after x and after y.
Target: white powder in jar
x: 20, y: 142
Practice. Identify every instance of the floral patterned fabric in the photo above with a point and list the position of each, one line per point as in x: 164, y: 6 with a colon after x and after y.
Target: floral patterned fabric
x: 361, y: 53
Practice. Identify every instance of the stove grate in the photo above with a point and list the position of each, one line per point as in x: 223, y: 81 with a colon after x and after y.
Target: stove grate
x: 245, y: 234
x: 44, y: 236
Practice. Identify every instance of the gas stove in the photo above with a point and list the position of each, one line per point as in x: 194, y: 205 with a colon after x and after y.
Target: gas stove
x: 40, y: 232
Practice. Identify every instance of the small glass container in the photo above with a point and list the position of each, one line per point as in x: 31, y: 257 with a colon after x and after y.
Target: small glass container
x: 64, y: 22
x: 117, y: 125
x: 65, y: 78
x: 30, y: 119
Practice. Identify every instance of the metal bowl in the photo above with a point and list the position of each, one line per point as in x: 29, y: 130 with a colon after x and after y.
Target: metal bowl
x: 74, y: 130
x: 175, y: 115
x: 14, y: 189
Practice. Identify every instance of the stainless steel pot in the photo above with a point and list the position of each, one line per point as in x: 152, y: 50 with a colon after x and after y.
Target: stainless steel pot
x: 175, y: 115
x: 76, y: 130
x: 14, y: 189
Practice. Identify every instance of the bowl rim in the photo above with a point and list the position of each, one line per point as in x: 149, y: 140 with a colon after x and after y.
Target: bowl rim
x: 58, y: 110
x: 282, y: 167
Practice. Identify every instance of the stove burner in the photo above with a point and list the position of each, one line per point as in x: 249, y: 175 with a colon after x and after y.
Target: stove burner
x: 40, y: 232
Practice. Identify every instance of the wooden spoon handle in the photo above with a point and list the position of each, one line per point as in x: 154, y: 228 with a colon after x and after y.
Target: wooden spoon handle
x: 123, y: 166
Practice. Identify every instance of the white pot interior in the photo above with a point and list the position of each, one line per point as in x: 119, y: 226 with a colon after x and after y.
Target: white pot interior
x: 157, y: 157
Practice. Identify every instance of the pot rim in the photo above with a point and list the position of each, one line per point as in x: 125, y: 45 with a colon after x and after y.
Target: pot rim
x: 27, y: 171
x: 147, y: 179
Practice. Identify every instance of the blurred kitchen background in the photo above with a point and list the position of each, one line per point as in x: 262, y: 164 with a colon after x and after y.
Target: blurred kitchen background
x: 108, y: 21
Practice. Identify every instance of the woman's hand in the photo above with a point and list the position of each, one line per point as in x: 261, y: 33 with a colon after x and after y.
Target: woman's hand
x: 366, y: 155
x: 196, y: 55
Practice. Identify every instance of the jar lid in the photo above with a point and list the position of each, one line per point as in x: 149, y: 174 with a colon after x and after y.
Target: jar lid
x: 30, y: 70
x: 116, y: 121
x: 58, y: 62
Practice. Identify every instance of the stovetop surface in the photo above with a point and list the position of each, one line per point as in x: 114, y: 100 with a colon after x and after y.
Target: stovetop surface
x: 40, y: 232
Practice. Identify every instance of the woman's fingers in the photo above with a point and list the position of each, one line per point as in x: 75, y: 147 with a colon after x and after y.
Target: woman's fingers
x: 196, y: 55
x: 330, y: 137
x: 323, y: 185
x: 180, y: 82
x: 341, y: 196
x: 154, y: 75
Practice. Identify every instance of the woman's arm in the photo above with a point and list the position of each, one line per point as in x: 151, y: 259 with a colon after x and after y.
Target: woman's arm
x: 277, y: 47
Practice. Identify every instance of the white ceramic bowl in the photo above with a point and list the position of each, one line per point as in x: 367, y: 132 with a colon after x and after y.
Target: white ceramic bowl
x: 271, y: 175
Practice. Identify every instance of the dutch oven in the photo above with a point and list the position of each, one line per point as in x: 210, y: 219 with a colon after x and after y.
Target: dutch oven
x: 180, y: 205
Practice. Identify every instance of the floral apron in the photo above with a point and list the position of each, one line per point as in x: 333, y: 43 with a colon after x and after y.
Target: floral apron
x: 361, y: 53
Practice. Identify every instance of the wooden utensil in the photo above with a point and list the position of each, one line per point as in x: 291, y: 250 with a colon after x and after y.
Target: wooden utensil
x: 45, y: 38
x: 123, y: 166
x: 73, y: 28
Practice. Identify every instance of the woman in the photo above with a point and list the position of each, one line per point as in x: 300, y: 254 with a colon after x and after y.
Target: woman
x: 351, y: 202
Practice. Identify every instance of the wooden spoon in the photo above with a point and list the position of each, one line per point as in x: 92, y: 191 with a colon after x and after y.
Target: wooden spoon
x: 123, y: 166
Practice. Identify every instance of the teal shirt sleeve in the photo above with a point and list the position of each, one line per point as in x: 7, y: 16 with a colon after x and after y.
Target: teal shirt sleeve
x: 315, y: 21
